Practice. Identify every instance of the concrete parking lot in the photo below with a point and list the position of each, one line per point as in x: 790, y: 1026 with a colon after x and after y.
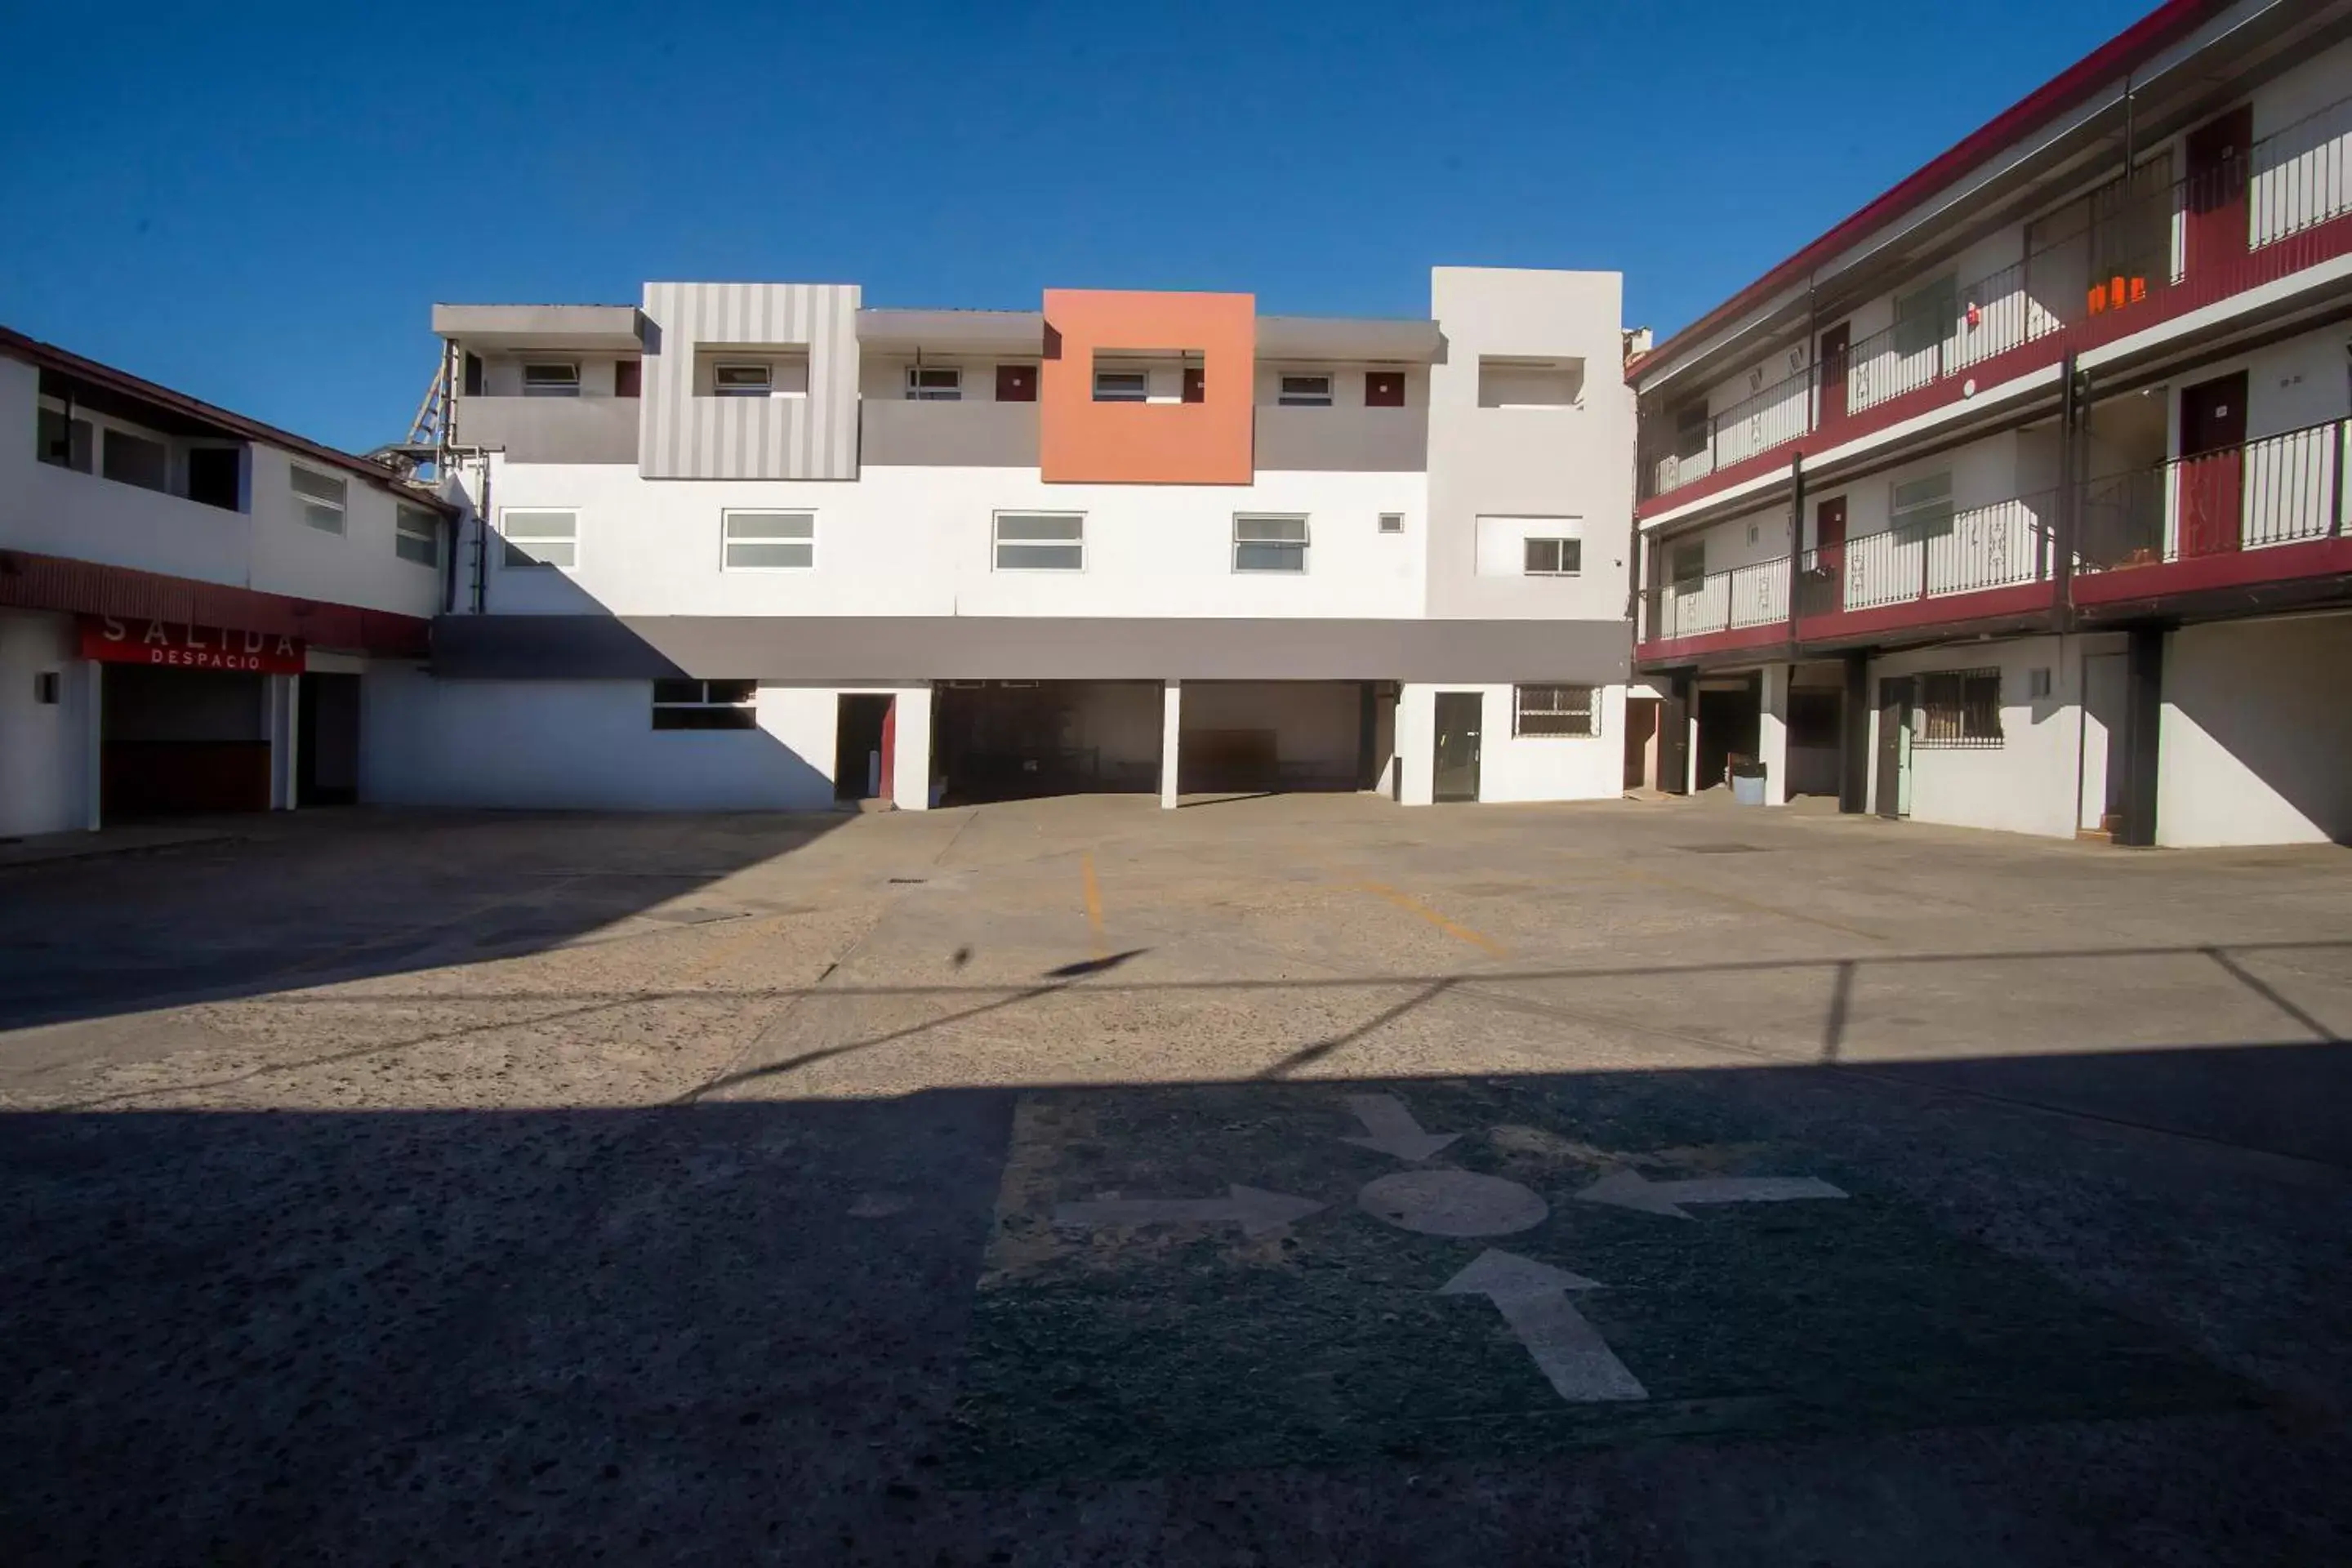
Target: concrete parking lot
x: 1274, y: 1180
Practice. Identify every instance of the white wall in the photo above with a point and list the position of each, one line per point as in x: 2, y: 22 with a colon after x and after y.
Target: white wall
x: 591, y: 744
x: 2029, y: 783
x: 1514, y: 767
x: 2256, y: 743
x: 43, y: 747
x: 502, y: 372
x: 917, y: 540
x: 1572, y: 462
x: 53, y: 510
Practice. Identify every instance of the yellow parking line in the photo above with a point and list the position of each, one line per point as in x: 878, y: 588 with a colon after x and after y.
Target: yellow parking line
x: 1094, y: 902
x: 1452, y: 928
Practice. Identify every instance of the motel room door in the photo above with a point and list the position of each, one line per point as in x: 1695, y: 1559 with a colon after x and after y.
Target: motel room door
x: 2213, y: 465
x: 1894, y: 746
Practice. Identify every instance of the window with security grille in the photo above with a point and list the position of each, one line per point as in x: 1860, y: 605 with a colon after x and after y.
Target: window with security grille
x: 705, y: 704
x: 1958, y: 707
x: 1555, y: 710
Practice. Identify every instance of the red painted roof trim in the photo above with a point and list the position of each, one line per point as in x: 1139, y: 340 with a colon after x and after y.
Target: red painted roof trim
x: 30, y: 582
x: 2134, y: 44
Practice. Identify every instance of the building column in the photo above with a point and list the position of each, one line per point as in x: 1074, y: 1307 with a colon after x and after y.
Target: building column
x: 1854, y: 735
x: 1171, y: 723
x: 2143, y: 733
x: 285, y: 700
x: 910, y: 784
x: 1773, y: 730
x: 93, y: 765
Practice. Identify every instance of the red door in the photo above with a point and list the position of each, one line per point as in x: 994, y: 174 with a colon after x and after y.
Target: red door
x: 2218, y: 153
x: 1835, y: 342
x: 1821, y: 590
x: 2212, y: 464
x: 1829, y: 535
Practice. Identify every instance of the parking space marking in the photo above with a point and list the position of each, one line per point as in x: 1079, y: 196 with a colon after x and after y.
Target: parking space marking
x: 1636, y: 874
x: 1094, y: 903
x: 1452, y: 928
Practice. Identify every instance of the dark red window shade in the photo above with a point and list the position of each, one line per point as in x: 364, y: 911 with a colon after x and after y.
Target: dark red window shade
x: 628, y: 377
x: 1384, y: 389
x: 1196, y: 384
x: 1016, y: 383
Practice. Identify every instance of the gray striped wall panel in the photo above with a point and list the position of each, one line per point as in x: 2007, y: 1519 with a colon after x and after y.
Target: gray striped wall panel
x: 682, y: 436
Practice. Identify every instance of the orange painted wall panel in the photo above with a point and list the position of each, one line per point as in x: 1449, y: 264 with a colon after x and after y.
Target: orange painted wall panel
x: 1211, y: 442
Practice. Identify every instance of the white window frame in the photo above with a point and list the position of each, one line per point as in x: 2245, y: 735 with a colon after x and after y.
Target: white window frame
x: 1567, y: 542
x: 1522, y: 711
x: 1286, y: 398
x: 766, y: 388
x: 1306, y: 538
x: 550, y: 388
x: 1142, y: 379
x: 310, y: 505
x: 728, y: 540
x: 405, y: 530
x: 704, y: 702
x: 1925, y: 501
x: 508, y: 541
x: 997, y: 542
x: 952, y: 391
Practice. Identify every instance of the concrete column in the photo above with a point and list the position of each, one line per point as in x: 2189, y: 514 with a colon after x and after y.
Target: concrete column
x: 93, y: 764
x: 910, y: 784
x: 1853, y: 736
x: 1690, y: 743
x: 1171, y: 724
x: 1772, y: 731
x: 285, y: 700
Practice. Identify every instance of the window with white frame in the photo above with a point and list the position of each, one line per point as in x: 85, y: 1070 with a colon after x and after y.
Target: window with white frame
x: 417, y: 536
x: 705, y: 704
x: 934, y: 383
x: 1391, y: 522
x: 540, y: 539
x: 745, y: 379
x: 1041, y: 541
x: 1554, y: 557
x: 769, y: 540
x: 320, y: 500
x: 551, y: 378
x: 1123, y: 387
x: 1565, y: 711
x: 1922, y: 508
x: 1303, y: 392
x: 1269, y: 543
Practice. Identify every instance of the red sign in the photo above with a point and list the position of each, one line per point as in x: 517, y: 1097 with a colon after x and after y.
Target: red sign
x: 188, y: 648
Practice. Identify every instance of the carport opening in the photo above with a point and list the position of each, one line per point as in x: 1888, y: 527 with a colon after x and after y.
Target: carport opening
x: 1265, y: 737
x: 1020, y: 739
x: 1731, y: 729
x: 859, y: 747
x: 327, y: 744
x: 180, y: 743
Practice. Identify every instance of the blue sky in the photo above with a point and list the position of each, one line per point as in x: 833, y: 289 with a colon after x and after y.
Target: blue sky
x: 258, y: 205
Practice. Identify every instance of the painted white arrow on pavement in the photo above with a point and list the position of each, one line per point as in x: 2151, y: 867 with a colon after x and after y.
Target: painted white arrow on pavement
x: 1533, y: 1298
x: 1632, y: 1190
x: 1255, y: 1210
x: 1390, y: 1127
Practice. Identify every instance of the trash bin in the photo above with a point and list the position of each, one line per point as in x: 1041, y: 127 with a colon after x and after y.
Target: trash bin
x: 1747, y: 783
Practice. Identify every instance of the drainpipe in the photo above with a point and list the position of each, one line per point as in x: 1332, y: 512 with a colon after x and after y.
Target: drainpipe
x: 2074, y: 414
x: 482, y: 538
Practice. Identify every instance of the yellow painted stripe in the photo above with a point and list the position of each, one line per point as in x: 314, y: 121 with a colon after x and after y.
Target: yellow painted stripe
x: 1094, y: 902
x: 1452, y: 928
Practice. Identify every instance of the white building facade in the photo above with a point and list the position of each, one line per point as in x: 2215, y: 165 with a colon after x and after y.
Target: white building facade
x: 191, y: 602
x: 759, y: 546
x: 2018, y: 500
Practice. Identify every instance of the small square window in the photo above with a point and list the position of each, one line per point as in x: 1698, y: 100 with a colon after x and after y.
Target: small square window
x: 551, y: 378
x: 1123, y: 387
x: 47, y: 686
x: 1554, y: 711
x: 1269, y: 543
x: 1016, y: 383
x: 418, y: 537
x: 742, y: 380
x: 2037, y: 683
x: 1922, y: 509
x: 319, y: 499
x: 1554, y: 557
x: 1304, y: 391
x: 1391, y: 522
x: 1384, y: 389
x: 934, y: 383
x: 769, y: 540
x: 64, y: 442
x: 537, y: 539
x: 1041, y: 541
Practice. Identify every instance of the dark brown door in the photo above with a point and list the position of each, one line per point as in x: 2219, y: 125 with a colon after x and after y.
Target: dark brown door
x: 1835, y: 344
x: 1829, y: 535
x: 1821, y: 588
x: 1196, y: 384
x: 2218, y: 155
x: 2212, y: 464
x: 1674, y: 746
x: 1016, y: 383
x: 1384, y: 389
x: 628, y: 377
x: 1893, y: 715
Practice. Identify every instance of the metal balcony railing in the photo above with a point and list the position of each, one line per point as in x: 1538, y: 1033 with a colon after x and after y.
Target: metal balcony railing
x: 2002, y: 545
x: 1753, y: 595
x: 2281, y: 489
x: 2102, y: 260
